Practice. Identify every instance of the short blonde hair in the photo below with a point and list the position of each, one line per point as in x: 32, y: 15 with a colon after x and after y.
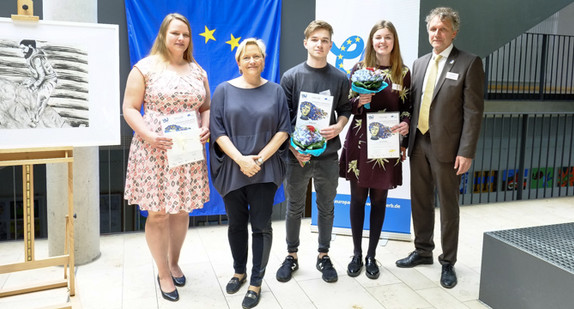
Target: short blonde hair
x: 249, y: 41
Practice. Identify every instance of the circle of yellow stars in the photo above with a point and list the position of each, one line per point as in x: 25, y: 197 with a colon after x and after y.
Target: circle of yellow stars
x: 208, y: 35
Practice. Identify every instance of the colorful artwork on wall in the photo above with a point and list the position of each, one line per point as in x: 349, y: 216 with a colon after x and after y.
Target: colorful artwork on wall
x: 510, y: 181
x: 485, y: 181
x: 565, y: 177
x: 541, y: 177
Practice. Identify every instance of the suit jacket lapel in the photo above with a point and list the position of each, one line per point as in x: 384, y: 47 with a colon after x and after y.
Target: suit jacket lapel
x: 447, y: 67
x: 421, y: 77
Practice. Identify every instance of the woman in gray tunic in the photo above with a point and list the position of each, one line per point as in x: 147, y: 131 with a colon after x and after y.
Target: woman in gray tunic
x: 249, y: 125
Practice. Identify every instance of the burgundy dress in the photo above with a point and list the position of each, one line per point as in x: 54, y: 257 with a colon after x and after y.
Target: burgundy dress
x: 375, y: 173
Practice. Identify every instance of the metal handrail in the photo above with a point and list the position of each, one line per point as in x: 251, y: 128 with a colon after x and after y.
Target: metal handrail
x: 531, y: 67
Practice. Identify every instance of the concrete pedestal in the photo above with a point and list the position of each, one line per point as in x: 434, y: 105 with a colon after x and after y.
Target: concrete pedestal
x: 86, y: 166
x: 86, y: 205
x: 528, y: 268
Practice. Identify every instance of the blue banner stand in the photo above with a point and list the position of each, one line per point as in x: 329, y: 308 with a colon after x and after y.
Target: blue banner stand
x: 397, y: 223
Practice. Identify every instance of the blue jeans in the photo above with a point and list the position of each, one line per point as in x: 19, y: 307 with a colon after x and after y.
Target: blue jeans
x: 325, y: 174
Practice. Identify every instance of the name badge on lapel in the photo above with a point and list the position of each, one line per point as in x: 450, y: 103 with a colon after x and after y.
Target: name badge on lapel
x: 451, y: 75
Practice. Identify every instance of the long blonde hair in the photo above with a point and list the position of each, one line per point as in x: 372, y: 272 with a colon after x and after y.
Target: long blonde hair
x: 396, y: 58
x: 159, y: 47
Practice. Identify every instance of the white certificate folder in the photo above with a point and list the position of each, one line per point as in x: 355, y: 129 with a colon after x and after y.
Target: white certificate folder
x: 183, y: 129
x: 381, y: 142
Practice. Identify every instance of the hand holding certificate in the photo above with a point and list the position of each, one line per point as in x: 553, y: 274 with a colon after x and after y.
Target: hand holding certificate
x: 381, y: 141
x: 313, y: 114
x: 183, y: 129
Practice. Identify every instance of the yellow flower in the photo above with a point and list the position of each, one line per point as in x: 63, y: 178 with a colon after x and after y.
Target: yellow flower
x: 353, y: 168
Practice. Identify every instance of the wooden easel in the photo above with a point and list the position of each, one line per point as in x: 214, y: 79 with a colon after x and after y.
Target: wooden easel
x: 27, y: 158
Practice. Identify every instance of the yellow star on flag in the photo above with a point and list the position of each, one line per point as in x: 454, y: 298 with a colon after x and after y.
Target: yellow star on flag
x: 341, y: 65
x: 349, y: 42
x: 208, y: 34
x: 357, y: 39
x: 340, y: 56
x: 234, y: 42
x: 343, y: 48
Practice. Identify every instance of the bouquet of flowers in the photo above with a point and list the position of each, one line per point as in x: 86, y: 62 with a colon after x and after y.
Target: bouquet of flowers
x: 367, y: 80
x: 307, y: 140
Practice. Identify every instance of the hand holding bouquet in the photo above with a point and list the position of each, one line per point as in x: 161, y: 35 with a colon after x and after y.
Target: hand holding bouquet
x: 307, y: 140
x: 367, y: 80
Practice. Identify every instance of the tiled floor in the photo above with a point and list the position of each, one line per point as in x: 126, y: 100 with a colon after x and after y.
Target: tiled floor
x: 124, y: 275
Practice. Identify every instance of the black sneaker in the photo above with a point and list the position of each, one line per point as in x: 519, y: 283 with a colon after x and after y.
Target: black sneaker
x: 325, y: 266
x: 354, y: 268
x: 287, y: 268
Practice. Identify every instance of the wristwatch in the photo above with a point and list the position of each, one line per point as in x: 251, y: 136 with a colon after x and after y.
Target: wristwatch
x: 259, y: 161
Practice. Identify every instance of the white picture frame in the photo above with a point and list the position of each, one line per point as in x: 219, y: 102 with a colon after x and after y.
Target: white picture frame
x: 85, y: 58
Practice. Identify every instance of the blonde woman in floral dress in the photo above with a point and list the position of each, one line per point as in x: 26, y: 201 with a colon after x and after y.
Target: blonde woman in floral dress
x: 168, y: 81
x: 374, y: 177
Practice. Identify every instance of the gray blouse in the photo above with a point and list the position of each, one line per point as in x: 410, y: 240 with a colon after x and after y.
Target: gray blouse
x: 250, y: 118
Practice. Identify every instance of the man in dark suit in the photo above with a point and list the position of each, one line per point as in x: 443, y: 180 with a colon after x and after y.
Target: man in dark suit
x: 447, y: 89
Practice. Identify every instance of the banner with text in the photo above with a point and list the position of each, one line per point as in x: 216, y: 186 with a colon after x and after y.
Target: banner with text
x: 351, y: 27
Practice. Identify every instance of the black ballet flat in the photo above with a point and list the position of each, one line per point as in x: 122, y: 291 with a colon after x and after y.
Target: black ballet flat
x: 251, y: 299
x: 235, y: 284
x: 179, y: 281
x: 171, y: 296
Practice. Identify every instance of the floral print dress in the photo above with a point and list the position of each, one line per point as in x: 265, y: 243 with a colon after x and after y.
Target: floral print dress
x: 150, y: 182
x: 375, y: 173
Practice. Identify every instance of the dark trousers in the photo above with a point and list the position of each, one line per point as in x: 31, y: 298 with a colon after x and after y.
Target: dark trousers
x: 427, y: 175
x: 325, y: 174
x: 250, y: 203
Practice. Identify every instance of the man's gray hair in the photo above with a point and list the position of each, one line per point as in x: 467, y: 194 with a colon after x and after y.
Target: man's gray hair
x: 445, y: 13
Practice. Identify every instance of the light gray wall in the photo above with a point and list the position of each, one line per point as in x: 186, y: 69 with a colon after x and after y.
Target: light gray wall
x: 486, y: 25
x: 295, y: 16
x: 566, y: 20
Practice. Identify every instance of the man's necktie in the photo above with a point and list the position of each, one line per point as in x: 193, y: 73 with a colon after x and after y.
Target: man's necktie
x: 423, y: 124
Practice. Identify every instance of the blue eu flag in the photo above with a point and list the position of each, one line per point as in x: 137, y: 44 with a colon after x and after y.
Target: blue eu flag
x: 217, y: 28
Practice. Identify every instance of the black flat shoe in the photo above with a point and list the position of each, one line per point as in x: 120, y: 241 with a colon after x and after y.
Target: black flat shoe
x: 171, y: 296
x: 235, y: 284
x: 371, y: 268
x: 179, y: 281
x: 251, y: 299
x: 355, y: 266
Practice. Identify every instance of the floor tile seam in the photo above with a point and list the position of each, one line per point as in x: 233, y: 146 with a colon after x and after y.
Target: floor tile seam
x: 415, y: 291
x: 300, y: 288
x: 430, y: 303
x: 226, y: 297
x: 368, y: 290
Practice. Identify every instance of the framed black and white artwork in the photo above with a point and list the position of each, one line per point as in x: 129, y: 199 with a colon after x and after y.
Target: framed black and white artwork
x: 59, y: 84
